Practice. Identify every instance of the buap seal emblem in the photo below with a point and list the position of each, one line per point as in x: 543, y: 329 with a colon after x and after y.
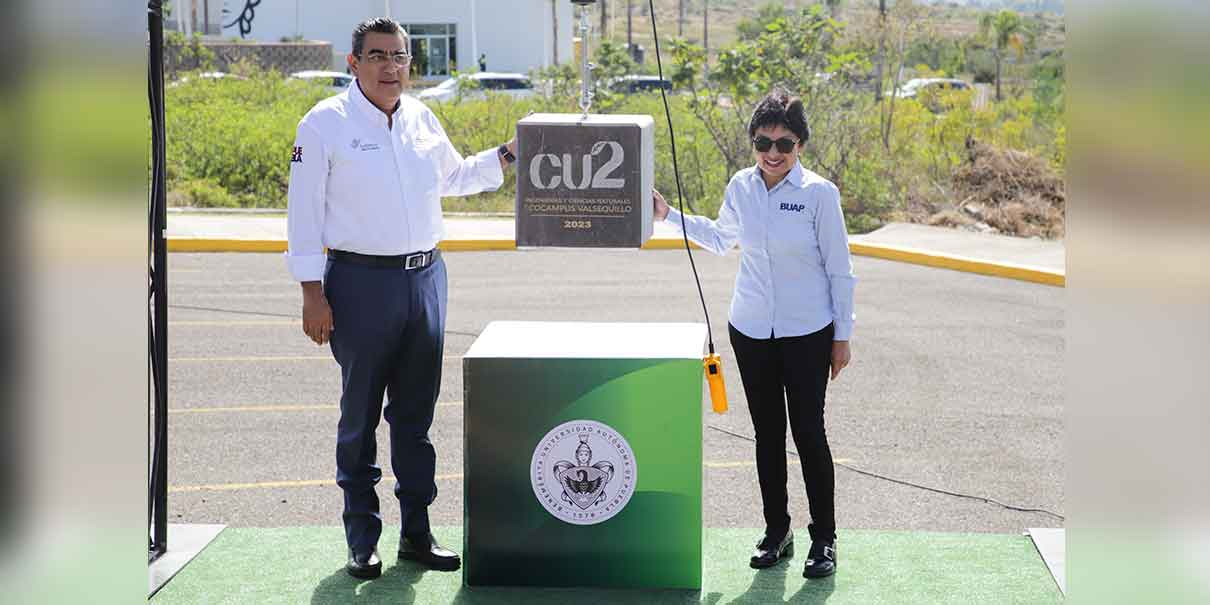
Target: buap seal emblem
x: 583, y: 472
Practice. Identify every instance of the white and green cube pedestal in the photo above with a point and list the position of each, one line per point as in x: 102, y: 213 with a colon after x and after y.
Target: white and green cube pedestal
x: 583, y: 455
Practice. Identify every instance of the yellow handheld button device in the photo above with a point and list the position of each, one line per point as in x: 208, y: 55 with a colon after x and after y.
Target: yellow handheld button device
x: 714, y: 375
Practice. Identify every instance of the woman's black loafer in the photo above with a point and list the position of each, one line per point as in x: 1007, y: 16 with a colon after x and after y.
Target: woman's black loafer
x: 821, y: 560
x: 768, y: 553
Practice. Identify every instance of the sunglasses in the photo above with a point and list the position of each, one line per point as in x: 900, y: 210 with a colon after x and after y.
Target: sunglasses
x: 784, y: 145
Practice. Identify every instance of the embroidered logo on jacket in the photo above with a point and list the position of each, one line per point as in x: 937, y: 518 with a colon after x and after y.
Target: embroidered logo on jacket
x: 793, y: 207
x: 296, y: 157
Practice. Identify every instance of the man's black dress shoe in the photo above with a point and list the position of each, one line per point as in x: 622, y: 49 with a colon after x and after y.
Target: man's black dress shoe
x: 426, y: 551
x: 821, y: 560
x: 768, y: 553
x: 365, y: 566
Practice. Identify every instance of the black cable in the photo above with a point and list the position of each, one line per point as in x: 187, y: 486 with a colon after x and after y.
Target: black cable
x: 156, y: 128
x: 1023, y: 509
x: 677, y: 171
x: 157, y: 269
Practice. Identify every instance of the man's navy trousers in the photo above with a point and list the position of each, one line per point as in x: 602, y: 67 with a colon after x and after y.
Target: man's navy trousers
x: 388, y: 336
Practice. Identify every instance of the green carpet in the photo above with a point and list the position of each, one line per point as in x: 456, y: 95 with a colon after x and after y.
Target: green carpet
x: 306, y: 565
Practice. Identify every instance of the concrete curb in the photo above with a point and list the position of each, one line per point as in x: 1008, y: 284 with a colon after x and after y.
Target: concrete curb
x: 883, y: 251
x: 960, y: 263
x: 201, y: 244
x: 205, y: 244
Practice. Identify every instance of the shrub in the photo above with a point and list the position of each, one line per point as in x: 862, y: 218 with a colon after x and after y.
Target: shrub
x: 235, y: 134
x: 229, y: 139
x: 203, y: 193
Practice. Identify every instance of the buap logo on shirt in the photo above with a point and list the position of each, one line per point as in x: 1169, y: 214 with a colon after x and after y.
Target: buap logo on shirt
x: 787, y: 207
x: 296, y: 156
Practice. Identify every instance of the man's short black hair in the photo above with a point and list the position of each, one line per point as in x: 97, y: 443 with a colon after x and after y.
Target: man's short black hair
x: 780, y: 109
x: 378, y: 25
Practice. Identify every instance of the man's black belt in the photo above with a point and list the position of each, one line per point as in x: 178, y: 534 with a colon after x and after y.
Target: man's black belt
x: 415, y: 260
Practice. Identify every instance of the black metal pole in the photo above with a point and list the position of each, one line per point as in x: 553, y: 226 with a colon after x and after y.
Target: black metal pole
x: 158, y: 286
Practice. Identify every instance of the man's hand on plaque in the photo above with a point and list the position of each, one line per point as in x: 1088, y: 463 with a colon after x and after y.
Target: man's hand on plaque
x: 660, y: 206
x: 507, y: 153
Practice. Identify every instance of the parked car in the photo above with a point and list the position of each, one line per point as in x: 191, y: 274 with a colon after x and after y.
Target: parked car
x: 207, y: 75
x: 512, y: 84
x: 335, y: 80
x: 634, y: 83
x: 914, y: 87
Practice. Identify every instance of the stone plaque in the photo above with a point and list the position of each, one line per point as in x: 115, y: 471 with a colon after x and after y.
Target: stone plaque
x: 585, y: 181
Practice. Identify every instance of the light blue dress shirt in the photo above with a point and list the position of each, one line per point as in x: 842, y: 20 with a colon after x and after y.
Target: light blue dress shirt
x: 795, y: 274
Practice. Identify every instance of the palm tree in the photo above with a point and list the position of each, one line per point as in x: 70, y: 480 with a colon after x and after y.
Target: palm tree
x: 1005, y: 30
x: 554, y: 19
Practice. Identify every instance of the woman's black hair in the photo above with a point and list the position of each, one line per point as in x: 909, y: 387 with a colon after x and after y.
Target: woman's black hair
x: 780, y: 109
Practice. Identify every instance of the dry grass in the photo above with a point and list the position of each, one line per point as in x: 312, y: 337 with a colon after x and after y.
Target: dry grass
x: 1012, y: 191
x: 993, y: 191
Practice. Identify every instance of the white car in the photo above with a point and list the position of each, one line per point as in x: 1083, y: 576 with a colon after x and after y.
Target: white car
x: 636, y: 83
x: 918, y: 85
x: 335, y: 80
x: 512, y: 84
x: 213, y: 76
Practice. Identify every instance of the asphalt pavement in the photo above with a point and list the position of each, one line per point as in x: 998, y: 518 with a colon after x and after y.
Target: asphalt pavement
x: 956, y: 384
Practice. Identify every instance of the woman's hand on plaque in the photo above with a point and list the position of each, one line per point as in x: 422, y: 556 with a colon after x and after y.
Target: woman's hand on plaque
x: 660, y: 206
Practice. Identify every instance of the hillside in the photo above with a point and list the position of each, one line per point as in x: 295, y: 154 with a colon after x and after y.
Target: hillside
x: 949, y: 18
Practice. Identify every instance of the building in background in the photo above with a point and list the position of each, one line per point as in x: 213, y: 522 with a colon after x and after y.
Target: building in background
x: 446, y: 35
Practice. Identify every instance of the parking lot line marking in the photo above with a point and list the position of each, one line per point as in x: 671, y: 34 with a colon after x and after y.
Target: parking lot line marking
x: 253, y: 408
x: 737, y: 464
x: 249, y: 322
x: 275, y: 408
x: 271, y: 358
x: 252, y: 358
x: 230, y: 487
x: 744, y: 463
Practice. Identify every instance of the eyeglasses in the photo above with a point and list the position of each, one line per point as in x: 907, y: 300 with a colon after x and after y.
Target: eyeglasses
x: 764, y: 143
x: 377, y: 57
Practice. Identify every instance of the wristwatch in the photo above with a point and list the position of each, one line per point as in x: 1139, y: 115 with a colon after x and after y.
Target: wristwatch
x: 506, y: 154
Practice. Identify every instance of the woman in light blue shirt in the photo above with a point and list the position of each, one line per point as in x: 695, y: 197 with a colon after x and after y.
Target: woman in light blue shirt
x: 791, y: 316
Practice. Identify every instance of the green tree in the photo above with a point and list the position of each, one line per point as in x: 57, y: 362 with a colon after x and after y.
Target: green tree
x: 611, y: 61
x: 1049, y: 90
x: 1005, y: 31
x: 751, y: 28
x: 183, y: 53
x: 801, y: 54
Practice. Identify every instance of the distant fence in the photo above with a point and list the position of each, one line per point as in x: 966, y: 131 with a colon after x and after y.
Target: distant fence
x: 286, y: 57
